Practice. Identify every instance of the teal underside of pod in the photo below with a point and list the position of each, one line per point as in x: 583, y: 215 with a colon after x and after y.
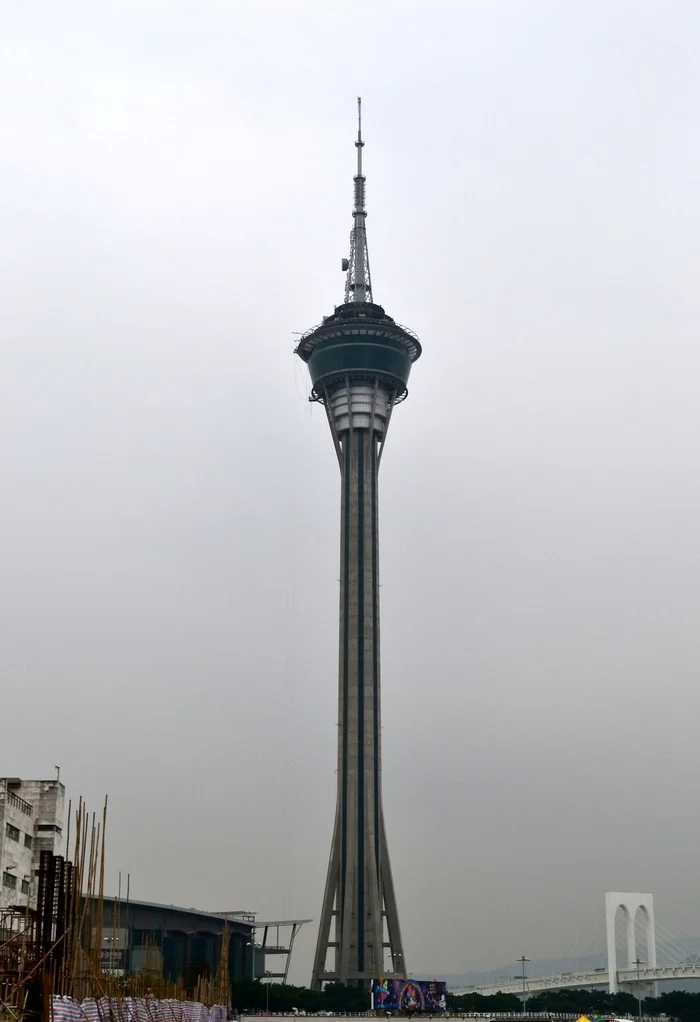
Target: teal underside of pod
x: 343, y: 356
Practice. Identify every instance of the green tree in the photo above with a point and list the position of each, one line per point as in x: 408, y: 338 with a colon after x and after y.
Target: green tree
x: 680, y: 1004
x: 338, y: 997
x: 479, y: 1003
x: 586, y: 1002
x: 252, y: 995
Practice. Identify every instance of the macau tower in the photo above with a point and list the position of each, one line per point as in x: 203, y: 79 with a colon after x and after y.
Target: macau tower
x: 359, y: 362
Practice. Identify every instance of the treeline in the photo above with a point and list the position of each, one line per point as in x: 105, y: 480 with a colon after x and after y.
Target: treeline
x: 252, y: 995
x: 586, y: 1002
x: 595, y: 1002
x: 676, y: 1004
x: 480, y: 1003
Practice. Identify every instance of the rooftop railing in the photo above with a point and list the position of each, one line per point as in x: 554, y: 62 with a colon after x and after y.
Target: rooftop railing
x: 14, y: 800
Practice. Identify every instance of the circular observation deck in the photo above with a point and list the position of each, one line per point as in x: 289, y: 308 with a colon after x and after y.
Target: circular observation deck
x: 361, y: 343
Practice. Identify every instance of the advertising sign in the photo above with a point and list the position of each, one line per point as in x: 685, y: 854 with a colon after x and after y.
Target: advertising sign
x: 113, y: 959
x: 408, y: 995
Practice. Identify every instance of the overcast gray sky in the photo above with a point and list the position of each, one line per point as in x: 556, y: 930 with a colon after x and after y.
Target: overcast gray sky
x: 175, y: 197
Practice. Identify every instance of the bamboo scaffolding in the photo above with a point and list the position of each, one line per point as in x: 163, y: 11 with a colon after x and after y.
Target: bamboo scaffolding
x: 71, y: 962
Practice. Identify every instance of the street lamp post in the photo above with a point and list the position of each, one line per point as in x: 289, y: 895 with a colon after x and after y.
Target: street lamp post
x: 522, y: 961
x: 638, y: 962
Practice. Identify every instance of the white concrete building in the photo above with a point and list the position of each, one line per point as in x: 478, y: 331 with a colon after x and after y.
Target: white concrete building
x: 31, y: 820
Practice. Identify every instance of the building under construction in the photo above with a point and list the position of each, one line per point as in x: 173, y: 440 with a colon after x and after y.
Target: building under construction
x: 63, y: 938
x: 64, y: 944
x: 31, y: 822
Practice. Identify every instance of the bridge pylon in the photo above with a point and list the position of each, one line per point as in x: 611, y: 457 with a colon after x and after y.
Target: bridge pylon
x: 630, y: 904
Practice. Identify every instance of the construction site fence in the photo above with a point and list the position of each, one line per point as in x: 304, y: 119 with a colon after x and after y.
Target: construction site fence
x: 497, y: 1016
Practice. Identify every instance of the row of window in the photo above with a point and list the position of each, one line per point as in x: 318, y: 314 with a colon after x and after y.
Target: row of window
x: 14, y: 835
x: 8, y: 880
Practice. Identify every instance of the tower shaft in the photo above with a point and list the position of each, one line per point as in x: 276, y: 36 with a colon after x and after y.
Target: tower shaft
x: 359, y: 919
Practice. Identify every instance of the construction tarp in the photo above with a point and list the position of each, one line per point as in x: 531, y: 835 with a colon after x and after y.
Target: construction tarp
x: 133, y: 1009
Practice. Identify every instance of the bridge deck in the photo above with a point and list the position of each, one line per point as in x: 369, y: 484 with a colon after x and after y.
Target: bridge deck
x: 625, y: 977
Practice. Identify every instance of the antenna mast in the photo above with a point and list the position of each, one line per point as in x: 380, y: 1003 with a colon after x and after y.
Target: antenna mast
x: 358, y: 283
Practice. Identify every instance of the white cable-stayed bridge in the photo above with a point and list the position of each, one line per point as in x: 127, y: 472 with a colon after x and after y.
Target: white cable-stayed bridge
x: 667, y: 957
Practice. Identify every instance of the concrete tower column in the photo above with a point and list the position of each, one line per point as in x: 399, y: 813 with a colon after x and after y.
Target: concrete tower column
x: 359, y: 889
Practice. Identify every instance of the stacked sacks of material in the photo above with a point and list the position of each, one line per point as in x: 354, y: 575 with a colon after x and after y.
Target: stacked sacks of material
x: 133, y: 1009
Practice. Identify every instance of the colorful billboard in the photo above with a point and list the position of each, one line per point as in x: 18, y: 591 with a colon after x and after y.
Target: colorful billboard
x: 408, y: 995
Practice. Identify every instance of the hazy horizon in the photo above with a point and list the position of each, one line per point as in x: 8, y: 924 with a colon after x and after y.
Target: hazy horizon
x: 175, y: 202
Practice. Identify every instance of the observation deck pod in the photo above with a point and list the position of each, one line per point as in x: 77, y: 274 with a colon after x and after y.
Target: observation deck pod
x: 359, y: 343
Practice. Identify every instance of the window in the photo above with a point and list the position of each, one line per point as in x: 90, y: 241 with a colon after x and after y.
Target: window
x: 27, y: 841
x: 25, y: 887
x: 49, y: 827
x: 11, y: 832
x: 9, y: 881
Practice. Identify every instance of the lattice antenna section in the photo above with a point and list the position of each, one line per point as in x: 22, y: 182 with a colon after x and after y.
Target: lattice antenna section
x: 358, y: 283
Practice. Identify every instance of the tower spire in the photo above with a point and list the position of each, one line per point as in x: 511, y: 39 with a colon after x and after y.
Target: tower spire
x: 358, y: 283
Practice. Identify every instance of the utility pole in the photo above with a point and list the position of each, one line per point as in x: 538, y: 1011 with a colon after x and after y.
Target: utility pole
x: 638, y: 962
x: 522, y: 961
